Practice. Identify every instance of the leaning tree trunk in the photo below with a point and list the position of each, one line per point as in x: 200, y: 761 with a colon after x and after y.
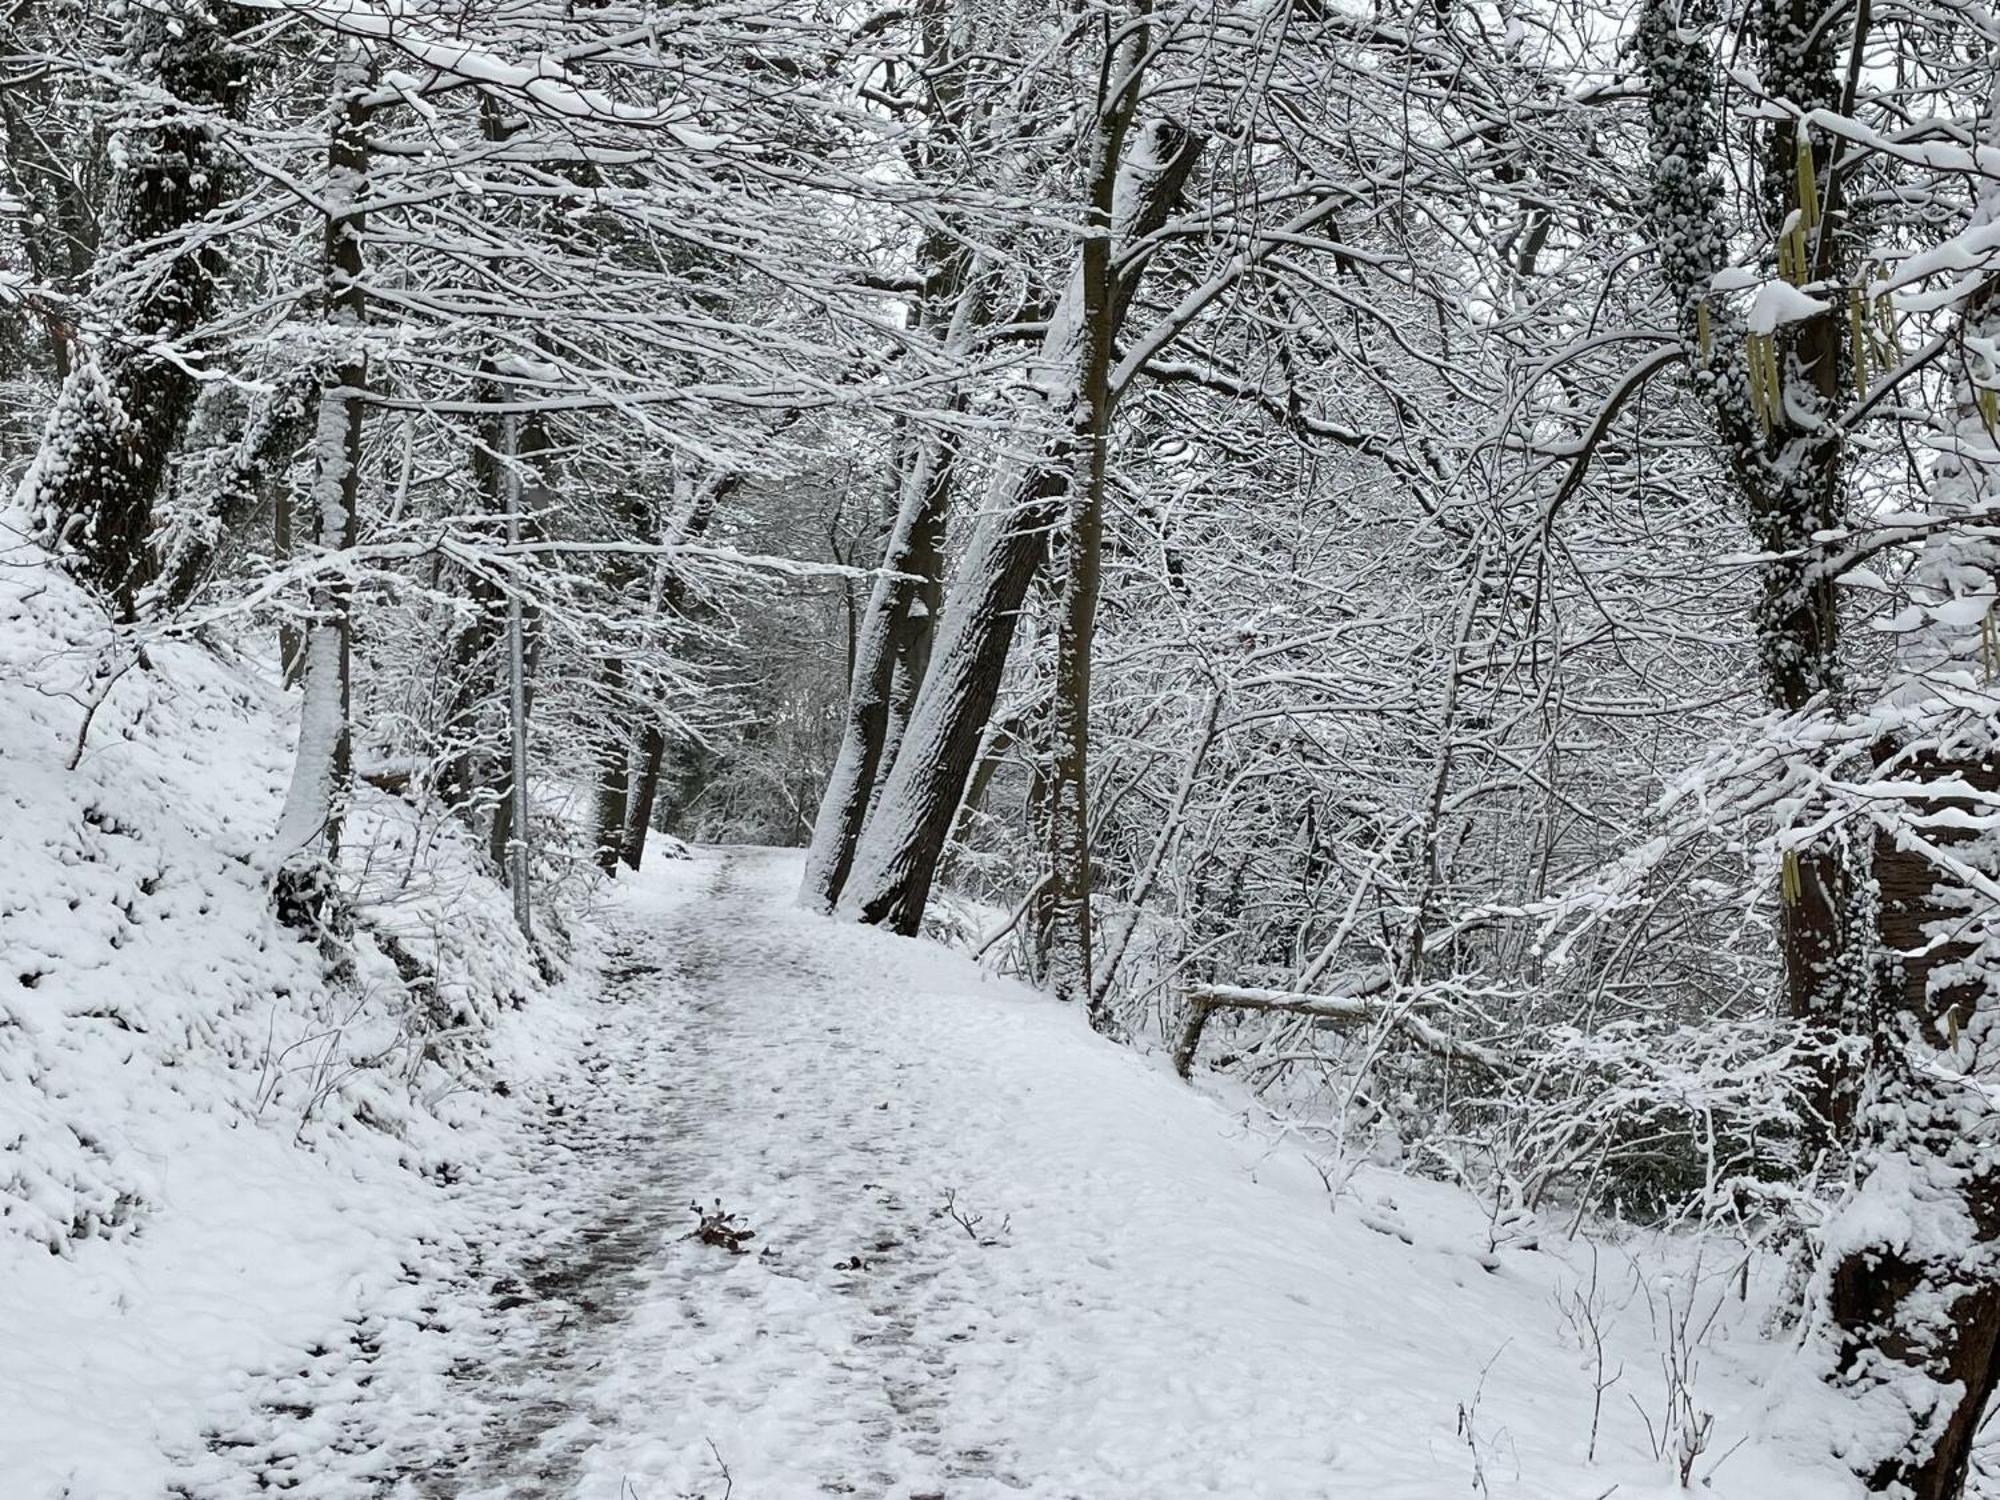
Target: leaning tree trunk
x: 646, y: 791
x: 892, y: 652
x: 124, y: 405
x: 898, y: 853
x: 887, y: 647
x: 915, y: 628
x: 309, y: 827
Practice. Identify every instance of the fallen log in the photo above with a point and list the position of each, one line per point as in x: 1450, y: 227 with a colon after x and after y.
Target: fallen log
x: 1359, y: 1005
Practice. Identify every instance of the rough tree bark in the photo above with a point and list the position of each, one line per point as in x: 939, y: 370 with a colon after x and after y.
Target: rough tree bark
x: 1914, y: 1295
x: 1083, y: 541
x: 1783, y: 449
x: 892, y: 648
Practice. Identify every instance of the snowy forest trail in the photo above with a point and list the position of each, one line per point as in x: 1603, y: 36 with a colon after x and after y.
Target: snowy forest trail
x: 992, y: 1255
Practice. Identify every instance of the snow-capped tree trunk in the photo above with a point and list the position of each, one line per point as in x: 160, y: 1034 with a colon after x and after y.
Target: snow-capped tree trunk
x: 257, y: 475
x: 916, y: 629
x: 1914, y: 1287
x: 897, y: 856
x: 892, y: 650
x: 309, y: 827
x: 894, y: 630
x: 126, y: 400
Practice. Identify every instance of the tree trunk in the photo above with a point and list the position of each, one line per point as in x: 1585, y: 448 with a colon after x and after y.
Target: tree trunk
x: 614, y: 770
x: 500, y: 833
x: 888, y: 647
x: 897, y: 856
x: 652, y: 755
x: 524, y: 485
x: 1914, y: 1308
x: 309, y: 827
x: 622, y: 574
x: 1069, y: 759
x: 1785, y: 452
x: 123, y: 408
x: 257, y: 475
x: 1919, y: 1303
x: 889, y: 660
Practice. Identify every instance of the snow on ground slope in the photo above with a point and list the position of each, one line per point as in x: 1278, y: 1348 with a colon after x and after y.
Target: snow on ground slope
x: 992, y: 1255
x: 211, y: 1157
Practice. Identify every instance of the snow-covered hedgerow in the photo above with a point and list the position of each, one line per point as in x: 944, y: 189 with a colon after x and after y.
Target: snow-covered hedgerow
x: 144, y: 985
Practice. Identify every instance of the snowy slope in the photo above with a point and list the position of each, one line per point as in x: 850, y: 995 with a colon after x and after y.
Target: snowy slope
x: 211, y: 1156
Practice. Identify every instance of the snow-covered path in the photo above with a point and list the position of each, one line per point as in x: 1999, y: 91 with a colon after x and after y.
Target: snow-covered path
x: 992, y: 1256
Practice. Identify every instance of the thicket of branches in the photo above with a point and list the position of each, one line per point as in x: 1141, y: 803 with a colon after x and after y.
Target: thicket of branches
x: 1440, y: 560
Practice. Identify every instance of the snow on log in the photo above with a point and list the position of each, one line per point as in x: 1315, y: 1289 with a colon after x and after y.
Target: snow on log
x: 1359, y: 1005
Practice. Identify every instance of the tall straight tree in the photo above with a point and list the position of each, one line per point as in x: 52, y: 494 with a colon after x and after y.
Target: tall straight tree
x: 1119, y: 92
x: 309, y: 826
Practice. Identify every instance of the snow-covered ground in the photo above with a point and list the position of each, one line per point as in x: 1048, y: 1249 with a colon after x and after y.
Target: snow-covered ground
x: 264, y: 1232
x: 211, y: 1157
x: 992, y: 1255
x: 995, y: 1255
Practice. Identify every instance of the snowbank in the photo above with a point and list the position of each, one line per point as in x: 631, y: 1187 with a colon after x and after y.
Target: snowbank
x: 211, y: 1155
